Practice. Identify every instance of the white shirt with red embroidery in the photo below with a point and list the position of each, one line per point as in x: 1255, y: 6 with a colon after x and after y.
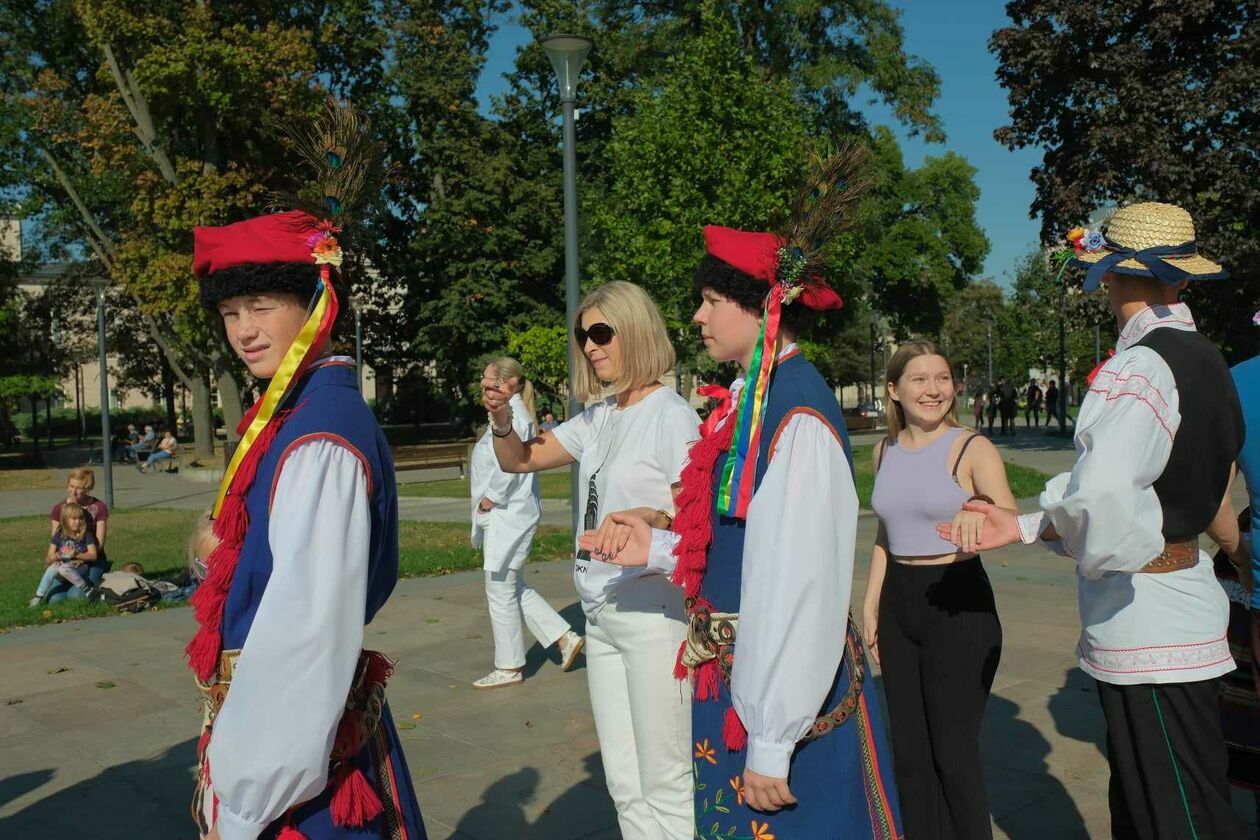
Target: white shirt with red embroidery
x: 1135, y: 628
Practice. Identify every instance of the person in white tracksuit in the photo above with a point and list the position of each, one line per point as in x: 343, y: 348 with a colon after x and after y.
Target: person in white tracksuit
x: 505, y: 514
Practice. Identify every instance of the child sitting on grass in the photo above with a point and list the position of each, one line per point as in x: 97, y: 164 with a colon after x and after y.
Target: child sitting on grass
x: 72, y: 547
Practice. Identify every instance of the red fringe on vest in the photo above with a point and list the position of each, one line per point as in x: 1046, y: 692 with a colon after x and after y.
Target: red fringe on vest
x: 233, y: 521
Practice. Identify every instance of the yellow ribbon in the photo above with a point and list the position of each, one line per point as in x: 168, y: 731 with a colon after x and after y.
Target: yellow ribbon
x: 277, y: 390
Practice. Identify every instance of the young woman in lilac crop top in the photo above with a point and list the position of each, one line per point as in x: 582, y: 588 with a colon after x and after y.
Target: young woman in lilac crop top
x: 929, y: 616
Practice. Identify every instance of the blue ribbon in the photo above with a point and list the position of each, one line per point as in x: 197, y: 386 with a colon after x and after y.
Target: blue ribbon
x: 1151, y: 258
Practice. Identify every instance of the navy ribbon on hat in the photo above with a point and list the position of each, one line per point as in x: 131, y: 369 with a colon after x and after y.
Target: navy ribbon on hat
x: 1152, y: 258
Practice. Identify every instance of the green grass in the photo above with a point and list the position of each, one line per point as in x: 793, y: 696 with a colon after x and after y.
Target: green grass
x: 156, y: 538
x: 553, y: 484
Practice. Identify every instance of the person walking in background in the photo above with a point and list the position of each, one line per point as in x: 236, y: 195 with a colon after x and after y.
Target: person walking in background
x: 1158, y: 434
x: 1053, y: 409
x: 1032, y: 404
x: 630, y: 447
x: 977, y: 410
x: 929, y: 617
x: 548, y: 421
x: 505, y: 512
x: 1007, y: 405
x: 995, y: 398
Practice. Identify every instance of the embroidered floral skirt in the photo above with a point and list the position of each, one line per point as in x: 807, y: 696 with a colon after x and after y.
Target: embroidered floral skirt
x: 842, y: 780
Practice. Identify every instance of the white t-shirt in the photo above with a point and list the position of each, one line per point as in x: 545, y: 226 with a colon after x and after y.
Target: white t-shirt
x: 636, y: 454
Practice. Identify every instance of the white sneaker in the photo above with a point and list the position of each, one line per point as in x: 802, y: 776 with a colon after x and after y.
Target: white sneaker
x: 571, y: 645
x: 499, y: 678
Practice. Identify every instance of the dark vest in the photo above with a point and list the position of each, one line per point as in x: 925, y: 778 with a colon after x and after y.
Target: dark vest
x: 326, y: 404
x: 1210, y: 435
x: 795, y: 385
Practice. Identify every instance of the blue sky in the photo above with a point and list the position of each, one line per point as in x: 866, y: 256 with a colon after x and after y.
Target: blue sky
x: 953, y: 38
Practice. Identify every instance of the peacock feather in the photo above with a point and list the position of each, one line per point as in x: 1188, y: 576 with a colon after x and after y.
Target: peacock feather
x: 345, y: 167
x: 825, y: 205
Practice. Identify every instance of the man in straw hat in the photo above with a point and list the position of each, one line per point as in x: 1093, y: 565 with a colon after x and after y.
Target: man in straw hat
x: 788, y: 730
x: 297, y: 740
x: 1156, y: 437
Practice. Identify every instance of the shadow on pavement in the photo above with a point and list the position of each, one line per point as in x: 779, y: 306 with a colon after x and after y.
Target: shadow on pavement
x: 583, y: 810
x: 145, y: 798
x: 1045, y: 808
x: 1076, y: 711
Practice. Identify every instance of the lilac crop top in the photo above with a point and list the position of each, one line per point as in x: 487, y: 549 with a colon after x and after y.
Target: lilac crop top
x: 914, y: 490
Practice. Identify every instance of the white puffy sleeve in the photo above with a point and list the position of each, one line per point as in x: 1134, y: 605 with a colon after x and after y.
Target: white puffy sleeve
x: 272, y: 739
x: 794, y: 597
x: 1105, y: 510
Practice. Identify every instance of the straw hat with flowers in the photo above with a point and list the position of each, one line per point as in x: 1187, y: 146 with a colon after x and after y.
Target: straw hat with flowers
x: 1150, y: 239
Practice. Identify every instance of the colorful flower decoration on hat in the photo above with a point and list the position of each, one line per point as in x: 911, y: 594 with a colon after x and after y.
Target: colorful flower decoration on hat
x: 1255, y: 319
x: 1075, y: 235
x: 325, y: 248
x: 1094, y: 242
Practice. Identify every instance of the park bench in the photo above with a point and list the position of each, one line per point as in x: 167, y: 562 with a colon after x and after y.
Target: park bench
x: 430, y: 456
x: 856, y: 423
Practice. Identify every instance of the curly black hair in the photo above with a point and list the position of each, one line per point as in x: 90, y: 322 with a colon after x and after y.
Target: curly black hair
x: 264, y: 278
x: 258, y: 278
x: 748, y: 293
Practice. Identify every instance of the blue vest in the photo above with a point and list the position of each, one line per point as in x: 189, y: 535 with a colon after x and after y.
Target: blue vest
x: 795, y: 385
x: 325, y: 404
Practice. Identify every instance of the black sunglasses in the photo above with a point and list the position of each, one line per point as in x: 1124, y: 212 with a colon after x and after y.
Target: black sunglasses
x: 600, y: 333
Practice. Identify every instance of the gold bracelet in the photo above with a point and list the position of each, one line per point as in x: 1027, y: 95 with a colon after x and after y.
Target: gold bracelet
x: 669, y: 520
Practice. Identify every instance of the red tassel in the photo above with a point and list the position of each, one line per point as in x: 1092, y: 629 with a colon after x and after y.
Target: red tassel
x: 733, y: 732
x: 354, y: 802
x: 680, y: 670
x: 290, y: 833
x: 203, y: 653
x: 378, y: 670
x: 707, y: 680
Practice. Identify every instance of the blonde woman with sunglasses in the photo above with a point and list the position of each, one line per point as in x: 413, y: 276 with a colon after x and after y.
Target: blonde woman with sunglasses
x: 630, y: 446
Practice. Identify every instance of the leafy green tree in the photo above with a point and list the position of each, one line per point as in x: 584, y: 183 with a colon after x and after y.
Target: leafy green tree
x: 543, y: 352
x: 921, y: 243
x: 1135, y: 101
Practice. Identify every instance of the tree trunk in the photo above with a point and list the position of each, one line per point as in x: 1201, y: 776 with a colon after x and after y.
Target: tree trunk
x: 230, y: 399
x: 203, y: 419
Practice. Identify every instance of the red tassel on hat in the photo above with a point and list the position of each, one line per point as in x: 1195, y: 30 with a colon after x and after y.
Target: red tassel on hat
x: 733, y: 732
x: 290, y: 833
x: 354, y: 802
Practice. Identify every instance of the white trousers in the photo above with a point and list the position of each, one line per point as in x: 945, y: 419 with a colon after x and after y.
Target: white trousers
x: 642, y: 714
x: 509, y: 599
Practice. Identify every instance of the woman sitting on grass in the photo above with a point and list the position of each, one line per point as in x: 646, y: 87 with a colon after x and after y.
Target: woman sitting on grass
x: 72, y: 547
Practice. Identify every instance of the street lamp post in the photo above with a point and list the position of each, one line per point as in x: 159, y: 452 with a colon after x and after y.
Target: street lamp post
x: 107, y: 451
x: 567, y: 54
x: 990, y: 338
x: 1063, y: 358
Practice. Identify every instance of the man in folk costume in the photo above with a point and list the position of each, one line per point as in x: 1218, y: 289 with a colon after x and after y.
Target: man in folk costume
x: 1156, y: 437
x: 297, y: 739
x: 789, y: 740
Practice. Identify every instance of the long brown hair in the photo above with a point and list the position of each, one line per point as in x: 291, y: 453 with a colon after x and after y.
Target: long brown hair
x: 896, y: 367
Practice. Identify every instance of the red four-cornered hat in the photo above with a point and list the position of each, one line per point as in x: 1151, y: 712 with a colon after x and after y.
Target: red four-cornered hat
x: 278, y: 237
x: 757, y: 254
